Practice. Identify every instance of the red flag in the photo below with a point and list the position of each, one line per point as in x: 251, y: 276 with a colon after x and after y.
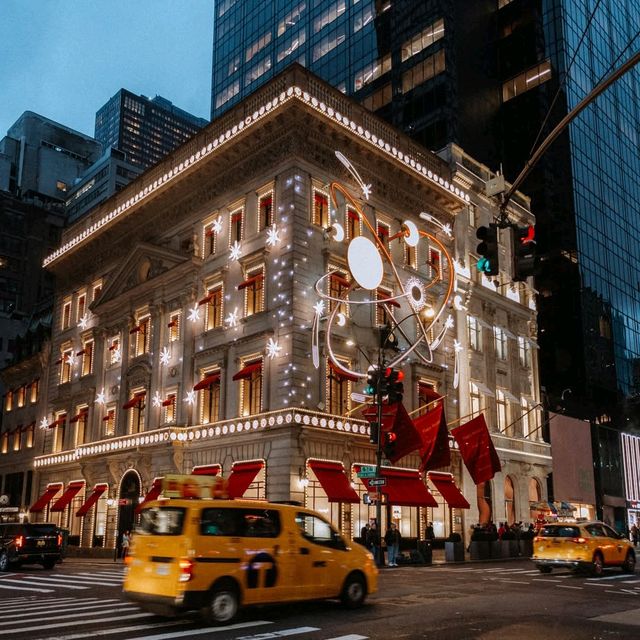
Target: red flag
x: 477, y: 450
x: 434, y: 436
x: 396, y: 419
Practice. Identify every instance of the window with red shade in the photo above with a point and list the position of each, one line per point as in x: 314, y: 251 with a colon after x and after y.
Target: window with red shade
x: 265, y: 210
x: 320, y: 208
x: 235, y: 231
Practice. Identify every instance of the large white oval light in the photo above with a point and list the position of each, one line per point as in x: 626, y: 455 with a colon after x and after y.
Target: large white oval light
x: 413, y: 237
x: 365, y: 263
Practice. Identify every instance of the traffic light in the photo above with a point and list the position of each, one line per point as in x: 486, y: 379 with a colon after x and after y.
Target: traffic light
x: 374, y: 432
x: 373, y: 375
x: 523, y: 252
x: 488, y: 250
x: 395, y: 387
x: 389, y: 446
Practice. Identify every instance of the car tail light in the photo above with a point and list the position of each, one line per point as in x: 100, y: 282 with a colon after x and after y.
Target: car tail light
x: 580, y: 540
x: 20, y: 542
x: 186, y: 569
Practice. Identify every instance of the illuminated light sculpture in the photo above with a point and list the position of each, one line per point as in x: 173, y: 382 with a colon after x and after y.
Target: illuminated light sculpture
x: 369, y: 261
x: 157, y: 400
x: 84, y: 321
x: 101, y: 398
x: 273, y: 348
x: 165, y: 356
x: 273, y: 236
x: 194, y: 314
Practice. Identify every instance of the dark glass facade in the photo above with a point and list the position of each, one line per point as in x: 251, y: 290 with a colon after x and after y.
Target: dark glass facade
x: 145, y: 129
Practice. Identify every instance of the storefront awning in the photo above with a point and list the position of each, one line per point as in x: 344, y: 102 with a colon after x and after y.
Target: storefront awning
x: 404, y: 488
x: 46, y: 497
x: 97, y: 491
x: 152, y: 494
x: 446, y: 485
x: 207, y: 470
x: 137, y: 399
x: 242, y: 475
x: 68, y: 495
x: 334, y: 480
x: 207, y: 382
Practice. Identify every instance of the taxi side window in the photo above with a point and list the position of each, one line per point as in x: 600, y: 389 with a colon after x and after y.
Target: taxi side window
x: 318, y: 531
x: 595, y: 530
x: 610, y: 533
x: 240, y: 523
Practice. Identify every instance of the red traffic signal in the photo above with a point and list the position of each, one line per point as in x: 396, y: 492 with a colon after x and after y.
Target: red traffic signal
x: 523, y: 252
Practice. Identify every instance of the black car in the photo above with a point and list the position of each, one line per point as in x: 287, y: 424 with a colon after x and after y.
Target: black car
x: 29, y: 544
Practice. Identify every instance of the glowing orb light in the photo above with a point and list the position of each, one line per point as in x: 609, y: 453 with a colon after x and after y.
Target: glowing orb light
x: 365, y: 263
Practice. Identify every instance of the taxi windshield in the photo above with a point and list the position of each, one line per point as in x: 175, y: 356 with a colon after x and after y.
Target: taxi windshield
x: 161, y: 521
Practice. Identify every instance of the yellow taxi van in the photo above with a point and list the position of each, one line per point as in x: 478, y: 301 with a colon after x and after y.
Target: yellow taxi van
x: 218, y: 555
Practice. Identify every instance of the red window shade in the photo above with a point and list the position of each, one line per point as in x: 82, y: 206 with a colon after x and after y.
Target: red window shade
x: 67, y: 496
x: 341, y: 375
x: 242, y: 475
x: 59, y: 422
x: 173, y: 323
x: 236, y: 217
x: 46, y: 497
x: 321, y: 199
x: 209, y: 232
x: 206, y: 299
x: 152, y: 494
x: 383, y: 233
x: 427, y: 392
x: 107, y: 417
x: 135, y: 329
x: 207, y: 470
x: 341, y: 280
x: 97, y: 491
x: 207, y: 382
x: 79, y: 416
x: 114, y: 346
x: 386, y: 299
x: 353, y: 215
x: 446, y: 485
x: 81, y: 352
x: 334, y: 481
x: 250, y: 281
x: 404, y: 488
x: 137, y: 399
x: 169, y: 401
x: 247, y: 371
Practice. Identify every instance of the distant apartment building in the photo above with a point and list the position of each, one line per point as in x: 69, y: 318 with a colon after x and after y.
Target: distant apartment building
x: 145, y: 129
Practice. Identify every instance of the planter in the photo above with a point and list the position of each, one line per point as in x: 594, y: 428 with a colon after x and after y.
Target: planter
x: 496, y: 549
x: 454, y: 551
x: 424, y: 548
x: 514, y: 548
x: 480, y: 550
x: 526, y: 548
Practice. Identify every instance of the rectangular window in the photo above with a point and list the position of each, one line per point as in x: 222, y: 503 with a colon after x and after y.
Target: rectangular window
x: 210, y: 396
x: 236, y: 223
x: 329, y: 43
x: 114, y: 350
x: 320, y: 209
x: 35, y: 388
x: 434, y: 262
x: 372, y: 72
x: 258, y: 45
x: 383, y: 234
x: 8, y: 401
x: 80, y: 420
x: 329, y: 15
x: 174, y: 326
x: 257, y: 70
x: 30, y: 435
x: 338, y: 284
x: 226, y: 94
x: 109, y: 421
x: 97, y: 290
x: 251, y: 389
x: 382, y: 309
x: 17, y: 434
x: 265, y: 210
x: 474, y: 333
x: 378, y: 99
x: 427, y: 394
x: 5, y: 442
x: 354, y: 225
x: 65, y: 365
x: 209, y: 239
x: 475, y: 400
x: 22, y: 393
x: 500, y: 340
x: 169, y: 408
x: 58, y: 432
x: 531, y: 78
x: 423, y: 71
x: 66, y: 314
x: 291, y: 44
x: 214, y: 301
x: 524, y: 352
x: 87, y: 358
x: 525, y: 417
x: 410, y: 258
x: 338, y: 390
x: 292, y: 18
x: 81, y: 306
x: 362, y: 18
x: 136, y: 406
x: 253, y: 286
x: 502, y: 413
x: 142, y: 332
x: 423, y: 40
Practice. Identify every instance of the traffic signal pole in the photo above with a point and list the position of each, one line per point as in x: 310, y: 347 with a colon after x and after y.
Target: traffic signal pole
x: 378, y: 397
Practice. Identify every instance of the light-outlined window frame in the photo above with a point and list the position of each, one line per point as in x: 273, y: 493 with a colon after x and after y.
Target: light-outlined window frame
x: 474, y: 333
x: 65, y: 320
x: 253, y: 288
x: 214, y: 306
x: 338, y: 388
x: 252, y: 387
x: 174, y: 326
x: 81, y: 306
x: 209, y: 396
x: 170, y: 407
x: 320, y: 207
x: 141, y: 333
x: 236, y: 224
x: 337, y: 284
x: 265, y: 207
x: 87, y: 353
x: 109, y: 421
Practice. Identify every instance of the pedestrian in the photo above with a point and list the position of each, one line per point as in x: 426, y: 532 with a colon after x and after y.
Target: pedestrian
x: 635, y: 534
x: 392, y: 539
x: 364, y: 534
x: 502, y: 530
x: 373, y: 542
x: 124, y: 543
x: 429, y: 534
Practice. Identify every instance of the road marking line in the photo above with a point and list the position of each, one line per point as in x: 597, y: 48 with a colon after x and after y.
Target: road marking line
x: 618, y: 577
x: 263, y: 636
x: 54, y: 605
x: 545, y: 580
x: 71, y: 623
x: 211, y: 630
x: 14, y: 588
x: 26, y: 600
x: 71, y: 613
x: 514, y: 581
x: 567, y: 586
x: 43, y: 583
x: 108, y: 632
x: 351, y: 636
x: 80, y: 614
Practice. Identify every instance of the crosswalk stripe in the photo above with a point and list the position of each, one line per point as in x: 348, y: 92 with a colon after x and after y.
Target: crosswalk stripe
x: 53, y: 605
x: 14, y: 588
x: 71, y: 623
x: 210, y: 630
x: 282, y: 633
x: 351, y: 636
x: 616, y: 577
x: 110, y: 609
x: 44, y: 582
x: 72, y: 613
x: 108, y: 632
x: 26, y: 600
x: 89, y: 581
x: 69, y: 579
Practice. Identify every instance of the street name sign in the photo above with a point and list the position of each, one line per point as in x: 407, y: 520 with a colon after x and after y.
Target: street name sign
x: 377, y: 482
x: 367, y: 472
x: 361, y: 397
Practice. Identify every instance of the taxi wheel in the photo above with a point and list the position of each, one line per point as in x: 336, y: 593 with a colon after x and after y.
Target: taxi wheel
x: 4, y: 561
x: 544, y: 569
x: 629, y: 565
x: 597, y: 568
x: 223, y: 604
x: 354, y: 591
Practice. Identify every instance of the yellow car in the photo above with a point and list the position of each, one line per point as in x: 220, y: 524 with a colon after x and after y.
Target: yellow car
x: 219, y: 555
x: 584, y: 545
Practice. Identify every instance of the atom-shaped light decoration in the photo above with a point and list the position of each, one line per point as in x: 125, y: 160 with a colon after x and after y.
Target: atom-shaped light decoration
x: 273, y: 348
x: 194, y: 314
x: 273, y: 236
x: 44, y: 423
x: 101, y: 398
x: 165, y: 356
x: 157, y: 400
x: 190, y: 397
x: 84, y: 321
x: 233, y: 318
x: 235, y: 251
x: 216, y: 225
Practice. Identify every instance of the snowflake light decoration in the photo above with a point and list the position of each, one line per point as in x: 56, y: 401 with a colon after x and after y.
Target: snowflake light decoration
x: 194, y: 314
x: 233, y: 318
x: 117, y: 355
x: 318, y: 307
x: 273, y: 348
x: 235, y: 251
x: 165, y: 356
x: 84, y: 321
x: 190, y: 398
x: 157, y: 400
x: 216, y: 225
x: 101, y: 398
x: 44, y: 423
x: 71, y: 359
x: 273, y: 236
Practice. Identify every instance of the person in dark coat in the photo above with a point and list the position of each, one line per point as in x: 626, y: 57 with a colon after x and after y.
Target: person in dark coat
x: 373, y: 542
x: 392, y: 539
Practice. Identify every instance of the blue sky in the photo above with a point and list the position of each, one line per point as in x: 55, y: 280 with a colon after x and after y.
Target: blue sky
x: 64, y: 59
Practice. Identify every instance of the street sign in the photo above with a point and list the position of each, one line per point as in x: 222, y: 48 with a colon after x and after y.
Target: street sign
x: 377, y: 482
x: 367, y: 472
x: 362, y: 398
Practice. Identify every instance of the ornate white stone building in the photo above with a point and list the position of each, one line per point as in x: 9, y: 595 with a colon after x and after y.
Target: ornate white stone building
x: 183, y: 327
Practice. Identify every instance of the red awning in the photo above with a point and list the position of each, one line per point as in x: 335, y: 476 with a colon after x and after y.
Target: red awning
x: 169, y: 401
x: 152, y: 494
x: 207, y: 470
x: 98, y: 490
x: 404, y: 488
x: 46, y: 497
x: 206, y: 299
x: 137, y: 399
x: 207, y: 382
x: 242, y: 475
x: 80, y: 415
x: 249, y: 281
x: 385, y: 299
x: 334, y: 481
x: 446, y: 485
x: 134, y: 330
x: 60, y: 421
x: 68, y: 495
x: 341, y: 374
x: 247, y: 370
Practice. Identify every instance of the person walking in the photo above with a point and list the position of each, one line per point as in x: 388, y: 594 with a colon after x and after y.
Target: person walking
x: 373, y: 542
x: 364, y: 536
x: 392, y: 539
x: 124, y: 544
x: 635, y: 534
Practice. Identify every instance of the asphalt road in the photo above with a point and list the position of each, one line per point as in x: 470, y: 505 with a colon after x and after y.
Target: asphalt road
x: 447, y: 602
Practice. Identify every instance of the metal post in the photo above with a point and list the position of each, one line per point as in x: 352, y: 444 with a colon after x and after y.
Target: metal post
x: 379, y: 456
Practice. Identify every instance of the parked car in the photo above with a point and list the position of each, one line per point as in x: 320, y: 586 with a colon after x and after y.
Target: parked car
x: 582, y: 545
x: 29, y: 544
